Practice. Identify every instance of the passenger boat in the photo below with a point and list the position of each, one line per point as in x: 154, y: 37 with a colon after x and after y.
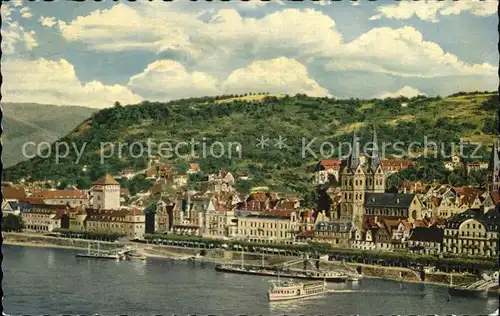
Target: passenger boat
x: 290, y: 290
x: 99, y: 254
x: 135, y: 255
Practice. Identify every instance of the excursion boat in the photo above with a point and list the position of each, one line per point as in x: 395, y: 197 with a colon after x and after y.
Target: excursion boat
x: 290, y: 290
x: 99, y: 254
x: 135, y: 256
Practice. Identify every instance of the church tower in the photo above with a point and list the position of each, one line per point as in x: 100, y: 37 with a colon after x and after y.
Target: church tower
x: 493, y: 175
x: 353, y: 180
x: 375, y: 176
x: 106, y: 194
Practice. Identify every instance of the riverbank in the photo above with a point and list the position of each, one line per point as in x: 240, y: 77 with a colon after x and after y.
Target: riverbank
x: 220, y: 256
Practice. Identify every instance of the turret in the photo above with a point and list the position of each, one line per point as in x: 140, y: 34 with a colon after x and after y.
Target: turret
x: 353, y: 161
x: 374, y: 156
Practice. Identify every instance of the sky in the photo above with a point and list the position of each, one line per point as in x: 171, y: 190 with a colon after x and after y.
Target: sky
x: 95, y: 53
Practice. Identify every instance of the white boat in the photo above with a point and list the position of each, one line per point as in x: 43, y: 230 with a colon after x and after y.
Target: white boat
x: 291, y: 290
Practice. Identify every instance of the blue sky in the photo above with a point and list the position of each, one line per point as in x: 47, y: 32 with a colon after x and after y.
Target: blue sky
x: 93, y: 53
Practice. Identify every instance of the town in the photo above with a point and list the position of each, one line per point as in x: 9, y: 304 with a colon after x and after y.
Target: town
x: 364, y: 214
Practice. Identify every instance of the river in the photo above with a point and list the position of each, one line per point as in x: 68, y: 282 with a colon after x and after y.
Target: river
x: 54, y: 281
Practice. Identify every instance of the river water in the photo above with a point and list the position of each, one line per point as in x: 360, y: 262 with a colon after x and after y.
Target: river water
x: 54, y: 281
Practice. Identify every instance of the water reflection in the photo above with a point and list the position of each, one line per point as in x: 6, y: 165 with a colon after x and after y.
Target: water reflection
x: 50, y: 259
x: 492, y: 304
x: 139, y: 266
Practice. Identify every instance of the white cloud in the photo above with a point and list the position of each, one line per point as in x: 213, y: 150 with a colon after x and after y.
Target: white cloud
x: 256, y: 4
x: 224, y: 34
x: 168, y: 80
x: 26, y: 13
x: 6, y: 12
x: 323, y: 2
x: 227, y: 38
x: 405, y: 91
x: 402, y: 52
x: 280, y: 75
x: 430, y: 10
x: 55, y: 82
x: 14, y: 35
x: 47, y: 21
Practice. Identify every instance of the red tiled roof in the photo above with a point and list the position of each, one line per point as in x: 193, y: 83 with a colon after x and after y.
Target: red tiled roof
x: 194, y: 166
x: 106, y: 180
x: 284, y: 213
x: 495, y: 196
x: 306, y: 234
x: 307, y: 214
x: 60, y: 194
x: 156, y: 189
x: 330, y: 163
x: 396, y: 163
x: 13, y: 193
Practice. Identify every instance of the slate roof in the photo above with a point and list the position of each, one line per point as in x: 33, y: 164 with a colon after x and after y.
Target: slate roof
x: 397, y: 200
x: 490, y: 219
x: 431, y: 234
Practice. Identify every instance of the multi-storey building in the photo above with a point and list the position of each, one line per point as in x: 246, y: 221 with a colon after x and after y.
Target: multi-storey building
x: 473, y: 232
x: 189, y: 214
x: 106, y: 194
x: 325, y: 170
x: 131, y: 222
x: 426, y: 240
x: 72, y: 198
x: 40, y: 217
x: 221, y: 182
x: 275, y: 226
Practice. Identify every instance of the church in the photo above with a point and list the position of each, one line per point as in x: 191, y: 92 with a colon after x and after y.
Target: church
x: 493, y: 175
x: 364, y: 201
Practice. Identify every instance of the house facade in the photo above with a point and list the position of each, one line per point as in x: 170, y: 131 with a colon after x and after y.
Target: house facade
x: 274, y: 226
x: 473, y: 233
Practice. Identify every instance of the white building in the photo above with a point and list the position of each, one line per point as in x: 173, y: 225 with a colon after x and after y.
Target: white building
x: 106, y: 194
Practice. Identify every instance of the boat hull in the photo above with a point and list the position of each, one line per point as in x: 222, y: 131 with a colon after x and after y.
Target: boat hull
x: 98, y: 256
x: 332, y: 279
x: 458, y: 291
x: 290, y: 298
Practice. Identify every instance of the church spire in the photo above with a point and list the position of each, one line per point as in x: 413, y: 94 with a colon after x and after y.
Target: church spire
x: 374, y: 157
x: 494, y: 165
x: 354, y: 160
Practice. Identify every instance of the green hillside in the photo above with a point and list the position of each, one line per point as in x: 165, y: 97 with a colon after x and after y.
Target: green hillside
x: 29, y: 122
x: 470, y: 116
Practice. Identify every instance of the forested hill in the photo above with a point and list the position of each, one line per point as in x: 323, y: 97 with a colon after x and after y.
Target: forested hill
x: 244, y: 120
x: 31, y: 122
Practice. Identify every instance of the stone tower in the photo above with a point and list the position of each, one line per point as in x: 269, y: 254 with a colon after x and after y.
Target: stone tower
x: 375, y: 176
x: 353, y: 179
x: 493, y: 175
x: 106, y: 194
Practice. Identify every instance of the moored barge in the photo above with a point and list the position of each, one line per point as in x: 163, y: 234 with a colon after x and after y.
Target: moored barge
x: 292, y: 274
